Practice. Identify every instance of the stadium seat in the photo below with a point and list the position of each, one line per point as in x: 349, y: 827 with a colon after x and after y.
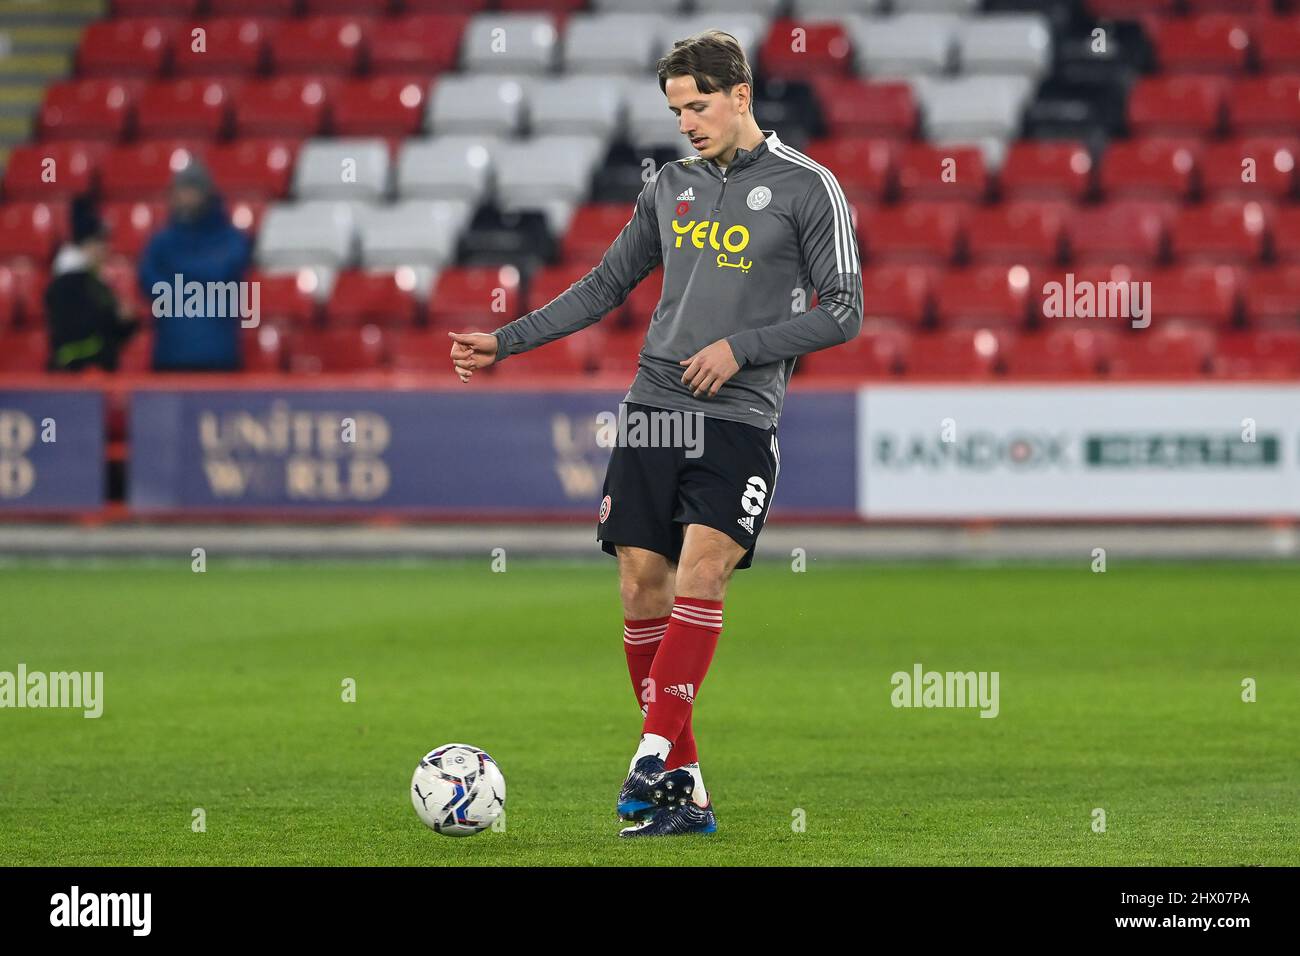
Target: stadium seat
x: 380, y: 106
x: 983, y: 297
x: 1024, y: 232
x: 1203, y: 43
x: 619, y: 350
x: 926, y: 171
x: 897, y: 295
x: 286, y: 299
x: 254, y: 168
x: 1255, y: 355
x: 547, y: 283
x: 32, y: 230
x: 1260, y: 169
x: 1228, y: 231
x: 1272, y: 297
x: 855, y: 107
x: 131, y: 46
x: 243, y: 8
x: 649, y: 125
x: 875, y: 352
x: 1276, y: 42
x: 1046, y: 170
x: 967, y: 108
x: 119, y: 274
x: 282, y: 106
x: 475, y: 296
x: 1126, y: 230
x: 918, y: 232
x: 510, y: 43
x: 262, y: 348
x: 644, y: 298
x: 342, y: 169
x: 331, y: 45
x: 413, y: 232
x: 1149, y: 168
x: 1264, y: 105
x: 315, y: 233
x: 1058, y: 353
x: 627, y: 43
x: 417, y: 44
x: 88, y: 109
x: 1195, y: 294
x: 969, y: 353
x: 586, y: 103
x: 1016, y: 43
x: 902, y: 45
x: 570, y: 356
x: 864, y: 166
x: 1286, y: 233
x: 232, y: 46
x: 478, y: 104
x: 545, y: 169
x: 144, y: 171
x: 446, y: 167
x: 24, y: 352
x: 374, y: 8
x: 419, y: 350
x: 187, y: 107
x: 1177, y: 106
x: 22, y: 285
x: 1163, y: 351
x: 154, y: 8
x: 823, y: 51
x: 52, y: 170
x: 746, y: 24
x: 131, y: 225
x: 347, y: 349
x: 592, y: 230
x: 372, y: 298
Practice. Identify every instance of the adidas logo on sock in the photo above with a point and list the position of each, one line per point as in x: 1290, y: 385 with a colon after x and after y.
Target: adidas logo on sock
x: 685, y: 691
x: 688, y: 196
x: 747, y: 523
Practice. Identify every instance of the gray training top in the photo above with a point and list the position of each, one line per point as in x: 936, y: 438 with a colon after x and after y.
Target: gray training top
x: 735, y: 244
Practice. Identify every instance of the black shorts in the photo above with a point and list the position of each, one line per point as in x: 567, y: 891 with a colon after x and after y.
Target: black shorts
x: 723, y: 477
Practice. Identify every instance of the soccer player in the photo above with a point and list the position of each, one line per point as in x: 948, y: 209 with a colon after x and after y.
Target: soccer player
x: 743, y: 227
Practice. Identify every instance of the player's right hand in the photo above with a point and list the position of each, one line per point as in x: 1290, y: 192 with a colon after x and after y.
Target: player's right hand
x: 471, y: 351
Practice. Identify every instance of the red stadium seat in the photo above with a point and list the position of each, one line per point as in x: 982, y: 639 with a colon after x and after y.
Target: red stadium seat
x: 1023, y: 232
x: 956, y: 353
x: 347, y: 349
x: 189, y: 107
x: 327, y: 44
x: 380, y: 106
x: 1264, y: 105
x: 1149, y: 169
x: 136, y: 46
x: 262, y: 348
x: 591, y: 231
x: 130, y: 225
x: 571, y: 355
x: 284, y: 106
x: 467, y: 296
x: 419, y: 350
x: 52, y: 170
x: 154, y: 8
x: 1176, y: 106
x: 24, y: 351
x: 446, y: 6
x: 863, y: 165
x: 248, y: 8
x: 1228, y: 231
x: 549, y: 282
x: 618, y: 351
x: 88, y: 109
x: 143, y: 171
x: 1286, y: 233
x: 876, y: 352
x: 232, y: 46
x: 898, y: 294
x: 253, y: 168
x: 559, y: 7
x: 1257, y: 7
x: 1277, y: 43
x: 1163, y: 351
x: 984, y: 296
x: 32, y: 230
x: 285, y: 298
x: 372, y: 298
x: 1075, y: 352
x: 918, y: 232
x: 1272, y: 297
x: 855, y: 107
x: 22, y: 284
x: 1128, y: 9
x: 822, y: 50
x: 1272, y: 353
x: 119, y: 274
x: 8, y: 302
x: 643, y: 299
x: 372, y: 8
x: 1210, y: 42
x: 1127, y: 230
x: 419, y: 44
x: 1197, y: 294
x: 1046, y: 170
x: 941, y: 172
x: 1261, y: 169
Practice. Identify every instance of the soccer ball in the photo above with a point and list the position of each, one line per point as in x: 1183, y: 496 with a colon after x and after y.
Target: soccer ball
x: 457, y: 790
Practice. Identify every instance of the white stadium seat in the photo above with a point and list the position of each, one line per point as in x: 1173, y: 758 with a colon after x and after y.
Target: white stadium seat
x: 342, y: 169
x: 900, y: 46
x: 582, y: 103
x: 446, y: 167
x: 510, y: 43
x: 484, y: 103
x: 318, y: 232
x: 970, y: 107
x: 1015, y: 43
x: 413, y: 232
x: 614, y: 43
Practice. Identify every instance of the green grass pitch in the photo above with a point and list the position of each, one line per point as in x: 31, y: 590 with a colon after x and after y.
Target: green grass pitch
x: 223, y: 691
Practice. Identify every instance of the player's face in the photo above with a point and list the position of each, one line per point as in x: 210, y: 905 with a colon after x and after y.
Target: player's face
x: 711, y: 121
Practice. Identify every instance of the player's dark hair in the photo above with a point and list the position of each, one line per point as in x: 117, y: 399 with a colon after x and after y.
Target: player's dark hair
x: 713, y: 59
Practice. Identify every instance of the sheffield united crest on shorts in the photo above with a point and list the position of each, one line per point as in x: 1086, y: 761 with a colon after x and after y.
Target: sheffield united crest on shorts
x: 604, y: 509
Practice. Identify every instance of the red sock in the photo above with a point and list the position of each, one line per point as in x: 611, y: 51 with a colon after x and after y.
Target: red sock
x: 680, y: 665
x: 640, y: 641
x: 683, y: 751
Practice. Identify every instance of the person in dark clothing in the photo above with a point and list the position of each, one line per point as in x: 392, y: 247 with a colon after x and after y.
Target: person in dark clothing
x: 199, y: 244
x: 87, y: 324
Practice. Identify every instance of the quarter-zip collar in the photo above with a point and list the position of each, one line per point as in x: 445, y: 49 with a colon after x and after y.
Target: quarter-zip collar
x: 744, y: 156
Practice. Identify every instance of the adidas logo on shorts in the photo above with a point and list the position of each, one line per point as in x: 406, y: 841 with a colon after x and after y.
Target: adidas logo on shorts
x: 746, y: 523
x: 688, y: 196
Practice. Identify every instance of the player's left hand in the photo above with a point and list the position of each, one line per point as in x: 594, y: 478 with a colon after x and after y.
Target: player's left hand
x: 709, y: 369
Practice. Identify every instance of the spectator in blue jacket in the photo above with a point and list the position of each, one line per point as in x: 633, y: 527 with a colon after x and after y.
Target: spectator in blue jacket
x: 198, y: 244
